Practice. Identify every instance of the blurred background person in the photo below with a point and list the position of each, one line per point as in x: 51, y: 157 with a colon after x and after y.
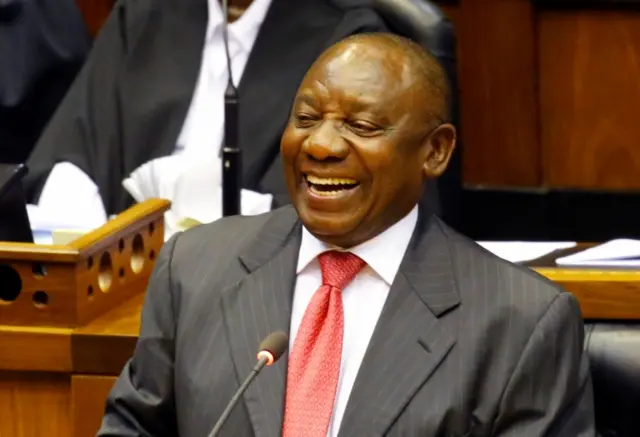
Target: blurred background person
x: 148, y: 104
x: 42, y: 48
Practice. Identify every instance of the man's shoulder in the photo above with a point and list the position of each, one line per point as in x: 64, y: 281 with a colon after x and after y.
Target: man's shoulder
x: 481, y: 272
x: 230, y: 236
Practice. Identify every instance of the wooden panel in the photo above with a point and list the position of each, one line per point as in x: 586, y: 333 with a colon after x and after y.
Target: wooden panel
x: 95, y: 12
x: 499, y: 111
x: 35, y: 405
x: 603, y: 294
x: 26, y: 348
x: 89, y: 394
x: 104, y: 345
x: 70, y: 285
x: 590, y: 98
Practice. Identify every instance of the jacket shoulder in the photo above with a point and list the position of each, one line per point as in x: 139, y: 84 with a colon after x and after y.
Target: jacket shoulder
x: 480, y: 271
x: 227, y: 237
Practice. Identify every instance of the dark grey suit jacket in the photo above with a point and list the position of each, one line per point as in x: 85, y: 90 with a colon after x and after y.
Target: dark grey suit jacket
x: 467, y: 344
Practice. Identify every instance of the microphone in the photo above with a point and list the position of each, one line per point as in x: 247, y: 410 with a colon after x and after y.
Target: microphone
x: 231, y: 153
x: 271, y: 349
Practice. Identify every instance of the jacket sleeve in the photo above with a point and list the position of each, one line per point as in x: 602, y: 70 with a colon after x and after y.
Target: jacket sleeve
x: 549, y: 393
x: 142, y: 401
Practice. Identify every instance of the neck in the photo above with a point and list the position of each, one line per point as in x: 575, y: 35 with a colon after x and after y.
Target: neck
x: 237, y: 8
x: 239, y: 4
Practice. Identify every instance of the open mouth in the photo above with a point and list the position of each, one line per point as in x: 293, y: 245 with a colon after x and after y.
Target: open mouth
x: 330, y: 186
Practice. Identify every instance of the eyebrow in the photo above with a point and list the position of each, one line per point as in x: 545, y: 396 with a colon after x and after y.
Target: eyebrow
x: 305, y: 98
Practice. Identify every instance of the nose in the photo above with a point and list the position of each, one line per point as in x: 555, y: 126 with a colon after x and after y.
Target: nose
x: 325, y: 143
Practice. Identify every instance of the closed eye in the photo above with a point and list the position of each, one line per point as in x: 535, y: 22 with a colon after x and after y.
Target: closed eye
x: 305, y: 120
x: 365, y: 128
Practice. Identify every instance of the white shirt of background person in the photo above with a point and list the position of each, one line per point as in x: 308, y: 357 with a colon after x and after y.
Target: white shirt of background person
x: 202, y: 130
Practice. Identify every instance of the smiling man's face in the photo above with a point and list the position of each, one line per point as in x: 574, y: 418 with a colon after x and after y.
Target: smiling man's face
x: 360, y: 143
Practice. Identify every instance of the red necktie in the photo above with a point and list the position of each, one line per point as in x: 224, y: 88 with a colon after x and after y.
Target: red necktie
x: 314, y: 361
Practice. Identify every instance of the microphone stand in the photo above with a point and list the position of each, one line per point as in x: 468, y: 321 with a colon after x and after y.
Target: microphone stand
x: 231, y: 153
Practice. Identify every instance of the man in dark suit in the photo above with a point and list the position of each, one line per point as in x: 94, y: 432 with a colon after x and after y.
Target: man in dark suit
x: 153, y: 87
x: 42, y: 48
x: 398, y: 325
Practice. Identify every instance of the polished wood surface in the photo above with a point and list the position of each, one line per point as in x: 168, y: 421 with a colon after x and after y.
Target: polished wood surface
x: 35, y: 405
x: 603, y: 294
x: 104, y: 345
x: 39, y: 337
x: 29, y: 348
x: 589, y: 62
x: 67, y: 286
x: 88, y: 394
x: 497, y: 75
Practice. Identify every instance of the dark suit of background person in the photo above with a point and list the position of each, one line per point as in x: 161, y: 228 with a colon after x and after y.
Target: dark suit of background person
x: 130, y: 101
x: 42, y: 47
x: 465, y: 343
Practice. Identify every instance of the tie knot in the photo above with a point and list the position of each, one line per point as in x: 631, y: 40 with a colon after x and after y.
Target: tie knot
x: 339, y: 268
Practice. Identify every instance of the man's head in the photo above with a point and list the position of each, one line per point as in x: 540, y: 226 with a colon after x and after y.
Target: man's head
x: 367, y: 129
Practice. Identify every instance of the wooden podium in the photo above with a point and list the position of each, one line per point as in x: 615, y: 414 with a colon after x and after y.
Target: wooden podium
x: 47, y: 294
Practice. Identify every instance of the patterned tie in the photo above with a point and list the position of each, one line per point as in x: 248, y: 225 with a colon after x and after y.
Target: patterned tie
x: 314, y: 362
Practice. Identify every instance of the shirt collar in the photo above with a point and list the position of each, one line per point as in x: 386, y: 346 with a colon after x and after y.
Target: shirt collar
x: 245, y: 28
x: 382, y: 253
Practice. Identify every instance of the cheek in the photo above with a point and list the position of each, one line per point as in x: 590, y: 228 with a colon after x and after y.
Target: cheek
x: 382, y: 163
x: 291, y: 143
x: 393, y: 173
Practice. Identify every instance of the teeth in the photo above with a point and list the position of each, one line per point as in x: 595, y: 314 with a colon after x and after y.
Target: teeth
x: 330, y: 181
x: 325, y: 193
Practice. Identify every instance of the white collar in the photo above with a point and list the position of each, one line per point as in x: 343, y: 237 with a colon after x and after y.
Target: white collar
x: 382, y: 253
x: 245, y: 28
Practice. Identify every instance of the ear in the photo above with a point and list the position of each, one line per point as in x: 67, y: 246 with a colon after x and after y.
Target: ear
x: 439, y: 146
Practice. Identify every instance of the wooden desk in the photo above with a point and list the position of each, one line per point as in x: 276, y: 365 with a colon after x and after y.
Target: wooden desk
x: 50, y: 294
x: 72, y: 370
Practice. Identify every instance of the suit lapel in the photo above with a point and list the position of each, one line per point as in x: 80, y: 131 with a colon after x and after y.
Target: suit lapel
x: 293, y: 34
x: 409, y: 342
x: 259, y: 304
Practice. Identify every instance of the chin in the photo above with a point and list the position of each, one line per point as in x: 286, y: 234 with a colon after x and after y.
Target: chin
x: 332, y: 228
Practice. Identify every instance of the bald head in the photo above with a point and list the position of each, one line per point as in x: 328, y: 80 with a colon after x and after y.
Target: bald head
x: 417, y: 71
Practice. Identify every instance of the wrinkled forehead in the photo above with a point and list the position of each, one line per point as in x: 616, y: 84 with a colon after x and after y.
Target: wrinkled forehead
x: 360, y: 71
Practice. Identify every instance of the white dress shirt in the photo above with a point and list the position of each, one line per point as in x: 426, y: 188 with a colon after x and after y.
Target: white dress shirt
x: 202, y: 130
x: 362, y: 299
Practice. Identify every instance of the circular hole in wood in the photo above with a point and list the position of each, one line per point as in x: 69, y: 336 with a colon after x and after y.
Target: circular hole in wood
x: 10, y: 284
x: 90, y: 263
x: 152, y: 228
x: 137, y: 254
x: 152, y: 254
x: 40, y: 299
x: 105, y: 277
x: 121, y: 245
x: 121, y: 273
x: 39, y: 270
x: 90, y: 291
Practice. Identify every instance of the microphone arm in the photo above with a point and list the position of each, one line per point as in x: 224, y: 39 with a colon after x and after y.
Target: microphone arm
x: 231, y: 153
x: 234, y: 400
x: 271, y: 349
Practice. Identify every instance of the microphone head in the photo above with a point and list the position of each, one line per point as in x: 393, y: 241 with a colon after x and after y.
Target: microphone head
x: 273, y: 347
